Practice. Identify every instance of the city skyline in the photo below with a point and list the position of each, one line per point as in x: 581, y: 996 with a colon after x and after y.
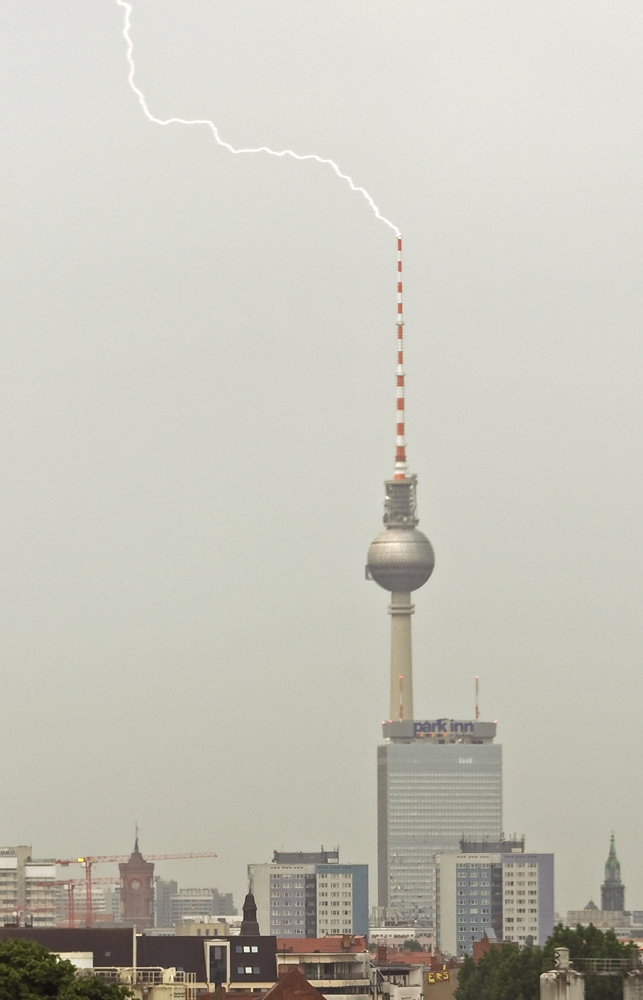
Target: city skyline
x: 158, y: 569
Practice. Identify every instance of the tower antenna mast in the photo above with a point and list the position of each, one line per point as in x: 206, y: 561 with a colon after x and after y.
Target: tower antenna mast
x: 400, y: 450
x: 400, y: 558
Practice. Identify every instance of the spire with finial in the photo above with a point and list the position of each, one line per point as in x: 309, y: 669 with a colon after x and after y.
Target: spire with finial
x: 136, y: 850
x: 612, y: 889
x: 249, y: 926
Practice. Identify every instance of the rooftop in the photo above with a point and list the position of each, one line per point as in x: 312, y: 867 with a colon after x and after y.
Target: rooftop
x: 332, y: 945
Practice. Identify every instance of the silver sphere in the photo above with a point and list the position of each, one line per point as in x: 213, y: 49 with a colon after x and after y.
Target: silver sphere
x: 401, y: 559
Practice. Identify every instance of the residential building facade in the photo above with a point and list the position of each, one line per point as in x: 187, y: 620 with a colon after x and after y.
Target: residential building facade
x: 507, y: 896
x: 311, y: 898
x: 27, y: 888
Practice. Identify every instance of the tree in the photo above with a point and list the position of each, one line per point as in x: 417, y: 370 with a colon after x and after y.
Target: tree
x: 28, y: 971
x: 590, y: 942
x: 412, y: 945
x: 505, y: 973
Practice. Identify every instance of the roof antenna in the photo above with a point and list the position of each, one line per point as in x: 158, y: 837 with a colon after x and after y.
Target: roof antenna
x: 477, y: 694
x: 136, y: 835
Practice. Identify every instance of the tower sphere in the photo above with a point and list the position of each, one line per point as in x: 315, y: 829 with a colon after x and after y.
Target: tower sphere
x: 400, y: 559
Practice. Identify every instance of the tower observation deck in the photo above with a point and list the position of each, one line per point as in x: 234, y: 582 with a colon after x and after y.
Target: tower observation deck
x: 400, y: 558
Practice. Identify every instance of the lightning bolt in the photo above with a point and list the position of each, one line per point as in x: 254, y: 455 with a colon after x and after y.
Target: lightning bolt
x: 127, y: 26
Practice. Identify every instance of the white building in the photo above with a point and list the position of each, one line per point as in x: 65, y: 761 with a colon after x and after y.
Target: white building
x: 340, y: 968
x: 311, y: 898
x: 27, y: 888
x: 509, y: 894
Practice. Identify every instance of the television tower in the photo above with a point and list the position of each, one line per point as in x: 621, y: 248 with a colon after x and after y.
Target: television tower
x: 400, y: 558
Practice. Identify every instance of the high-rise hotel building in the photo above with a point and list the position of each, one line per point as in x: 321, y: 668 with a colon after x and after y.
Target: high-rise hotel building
x: 439, y: 781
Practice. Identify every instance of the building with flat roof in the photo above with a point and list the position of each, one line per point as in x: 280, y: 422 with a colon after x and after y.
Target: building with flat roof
x: 245, y: 964
x: 27, y: 888
x: 310, y: 899
x: 508, y: 895
x: 438, y: 781
x: 340, y: 967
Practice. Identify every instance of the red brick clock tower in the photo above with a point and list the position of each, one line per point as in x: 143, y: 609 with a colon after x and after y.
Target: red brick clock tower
x: 137, y: 890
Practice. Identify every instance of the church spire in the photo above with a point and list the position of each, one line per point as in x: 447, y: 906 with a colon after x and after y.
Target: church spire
x: 612, y: 889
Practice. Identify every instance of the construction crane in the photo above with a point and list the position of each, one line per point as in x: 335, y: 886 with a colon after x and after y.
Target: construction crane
x: 88, y: 862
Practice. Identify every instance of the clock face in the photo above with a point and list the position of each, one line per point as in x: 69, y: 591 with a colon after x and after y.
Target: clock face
x: 135, y: 884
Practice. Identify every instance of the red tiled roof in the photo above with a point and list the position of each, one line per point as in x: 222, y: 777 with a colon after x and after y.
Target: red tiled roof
x: 325, y: 946
x: 293, y: 986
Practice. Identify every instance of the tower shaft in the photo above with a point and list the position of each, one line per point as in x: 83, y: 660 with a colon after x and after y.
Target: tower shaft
x: 400, y: 609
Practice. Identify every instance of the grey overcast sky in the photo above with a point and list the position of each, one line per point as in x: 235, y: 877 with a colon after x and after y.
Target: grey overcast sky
x: 197, y: 416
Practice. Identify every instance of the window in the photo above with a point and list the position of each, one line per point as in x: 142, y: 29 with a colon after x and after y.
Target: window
x: 256, y: 970
x: 246, y: 947
x: 240, y: 970
x: 254, y: 948
x: 238, y: 948
x: 248, y: 970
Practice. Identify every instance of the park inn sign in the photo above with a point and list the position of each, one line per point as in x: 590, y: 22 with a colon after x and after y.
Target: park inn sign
x: 439, y: 729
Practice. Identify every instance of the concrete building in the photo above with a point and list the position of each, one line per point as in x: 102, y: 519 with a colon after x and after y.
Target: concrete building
x: 27, y: 888
x: 612, y: 889
x: 340, y: 967
x: 397, y: 981
x: 207, y: 928
x: 164, y: 890
x: 626, y: 924
x: 189, y: 904
x: 438, y: 781
x: 238, y: 964
x: 310, y: 898
x: 511, y: 895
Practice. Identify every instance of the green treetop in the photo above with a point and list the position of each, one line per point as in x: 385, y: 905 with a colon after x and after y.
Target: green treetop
x: 28, y: 971
x: 505, y: 973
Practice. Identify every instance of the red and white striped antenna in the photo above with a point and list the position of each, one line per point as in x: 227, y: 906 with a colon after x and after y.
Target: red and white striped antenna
x: 400, y: 451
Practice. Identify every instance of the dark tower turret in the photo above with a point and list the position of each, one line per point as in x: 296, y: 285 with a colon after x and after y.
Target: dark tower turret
x: 612, y: 889
x: 249, y: 925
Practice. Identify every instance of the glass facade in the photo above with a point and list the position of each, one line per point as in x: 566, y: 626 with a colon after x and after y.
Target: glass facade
x: 429, y: 797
